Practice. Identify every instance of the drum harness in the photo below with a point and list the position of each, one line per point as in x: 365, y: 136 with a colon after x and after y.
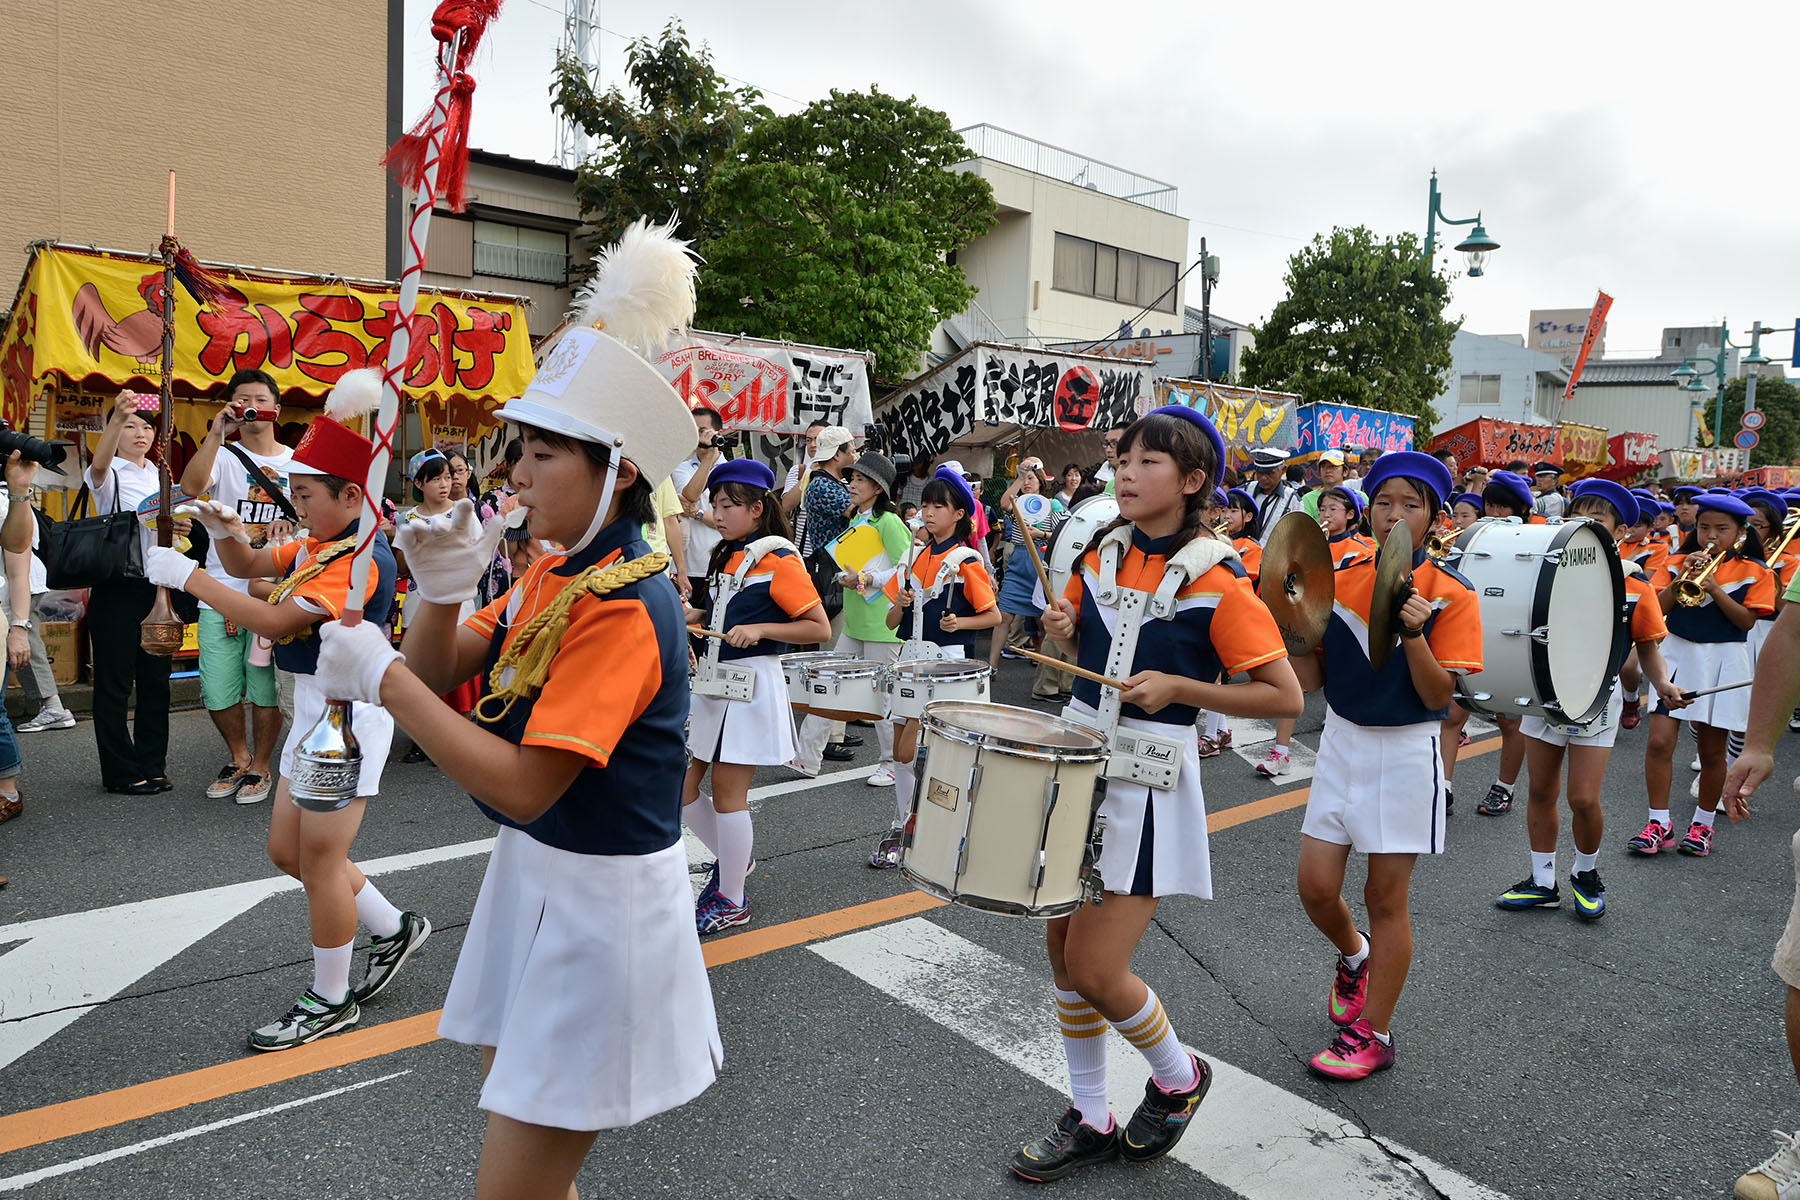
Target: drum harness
x: 726, y: 680
x: 949, y: 571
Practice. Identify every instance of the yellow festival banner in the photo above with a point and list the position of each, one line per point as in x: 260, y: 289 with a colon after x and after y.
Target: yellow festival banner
x: 1583, y: 450
x: 93, y: 318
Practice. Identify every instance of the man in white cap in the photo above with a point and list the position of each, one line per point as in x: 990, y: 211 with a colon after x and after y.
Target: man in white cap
x: 1331, y: 474
x: 1546, y: 484
x: 1274, y: 497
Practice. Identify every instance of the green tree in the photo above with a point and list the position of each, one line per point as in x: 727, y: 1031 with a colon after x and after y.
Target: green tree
x: 657, y: 149
x: 1778, y: 441
x: 835, y: 226
x: 1363, y: 323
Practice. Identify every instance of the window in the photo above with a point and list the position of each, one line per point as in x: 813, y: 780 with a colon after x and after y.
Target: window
x: 1109, y: 273
x: 519, y: 252
x: 1480, y: 389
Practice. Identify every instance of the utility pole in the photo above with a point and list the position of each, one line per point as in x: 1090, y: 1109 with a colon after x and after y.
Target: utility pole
x: 1205, y: 316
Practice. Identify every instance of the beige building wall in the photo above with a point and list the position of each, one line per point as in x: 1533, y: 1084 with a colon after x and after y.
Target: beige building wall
x: 273, y: 116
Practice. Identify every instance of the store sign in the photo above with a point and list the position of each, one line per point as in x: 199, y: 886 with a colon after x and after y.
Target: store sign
x: 769, y: 387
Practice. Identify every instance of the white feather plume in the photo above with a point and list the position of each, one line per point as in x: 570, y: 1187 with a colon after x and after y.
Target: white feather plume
x: 357, y: 394
x: 644, y: 290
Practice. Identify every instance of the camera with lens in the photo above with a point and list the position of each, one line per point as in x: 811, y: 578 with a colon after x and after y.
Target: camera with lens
x: 249, y: 415
x: 50, y: 454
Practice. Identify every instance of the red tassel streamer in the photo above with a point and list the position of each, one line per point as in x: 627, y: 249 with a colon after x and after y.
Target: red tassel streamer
x: 208, y: 288
x: 405, y: 159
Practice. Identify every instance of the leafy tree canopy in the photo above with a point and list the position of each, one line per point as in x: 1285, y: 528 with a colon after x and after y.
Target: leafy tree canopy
x: 1363, y: 323
x: 1778, y: 441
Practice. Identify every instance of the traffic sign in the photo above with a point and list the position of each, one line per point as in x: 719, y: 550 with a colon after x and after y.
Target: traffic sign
x: 1746, y: 439
x: 1753, y: 418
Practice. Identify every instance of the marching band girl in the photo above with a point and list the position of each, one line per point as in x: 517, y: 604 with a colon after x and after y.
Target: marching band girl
x: 1161, y: 591
x: 1340, y: 515
x: 763, y: 601
x: 1768, y: 517
x: 1243, y: 526
x: 1465, y: 510
x: 1507, y: 496
x: 947, y: 580
x: 1378, y: 787
x: 1708, y: 644
x: 1589, y: 746
x: 1643, y: 547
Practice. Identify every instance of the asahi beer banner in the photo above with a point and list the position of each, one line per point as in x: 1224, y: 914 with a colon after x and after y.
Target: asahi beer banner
x: 1247, y: 418
x: 1322, y: 427
x: 990, y: 387
x: 769, y: 387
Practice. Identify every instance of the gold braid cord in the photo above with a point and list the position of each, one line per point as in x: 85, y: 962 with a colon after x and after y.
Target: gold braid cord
x: 529, y: 652
x: 326, y: 557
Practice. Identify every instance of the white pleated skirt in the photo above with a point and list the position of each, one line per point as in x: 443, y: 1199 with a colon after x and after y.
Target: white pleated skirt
x: 370, y: 724
x: 757, y: 732
x: 1694, y: 666
x: 1155, y: 841
x: 583, y: 972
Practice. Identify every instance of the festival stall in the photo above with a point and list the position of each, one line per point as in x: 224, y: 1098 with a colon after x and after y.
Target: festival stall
x: 1322, y: 427
x: 1583, y: 450
x: 1702, y: 464
x: 1629, y: 455
x: 1772, y: 477
x: 1247, y: 418
x: 86, y: 322
x: 1493, y: 444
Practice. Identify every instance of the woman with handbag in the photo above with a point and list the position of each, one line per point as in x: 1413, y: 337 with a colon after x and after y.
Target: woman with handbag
x: 122, y: 477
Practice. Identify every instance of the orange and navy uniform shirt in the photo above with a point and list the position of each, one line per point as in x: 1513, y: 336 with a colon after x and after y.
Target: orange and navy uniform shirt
x: 1218, y: 627
x: 773, y: 592
x: 1350, y: 546
x: 1745, y: 580
x: 1649, y: 554
x: 969, y: 593
x: 326, y: 592
x: 616, y: 694
x: 1783, y: 571
x: 1353, y: 689
x: 1647, y: 624
x: 1249, y: 552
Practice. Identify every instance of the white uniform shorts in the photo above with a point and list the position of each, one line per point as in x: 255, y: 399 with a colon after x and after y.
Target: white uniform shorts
x: 1378, y: 789
x: 1599, y: 733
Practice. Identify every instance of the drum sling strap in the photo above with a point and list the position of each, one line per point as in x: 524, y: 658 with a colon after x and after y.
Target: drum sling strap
x: 1139, y: 757
x: 949, y: 571
x: 727, y: 680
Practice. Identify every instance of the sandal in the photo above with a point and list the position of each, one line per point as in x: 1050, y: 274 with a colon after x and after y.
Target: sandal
x: 1208, y: 747
x: 10, y: 807
x: 1224, y: 739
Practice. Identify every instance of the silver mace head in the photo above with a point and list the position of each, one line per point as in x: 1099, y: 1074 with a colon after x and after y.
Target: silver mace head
x: 327, y: 762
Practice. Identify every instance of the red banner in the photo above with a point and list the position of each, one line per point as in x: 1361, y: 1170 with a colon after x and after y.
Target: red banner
x: 1493, y: 444
x: 1596, y: 319
x: 1628, y: 454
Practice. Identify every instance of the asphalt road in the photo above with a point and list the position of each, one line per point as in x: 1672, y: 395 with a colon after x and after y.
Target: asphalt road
x: 896, y: 1049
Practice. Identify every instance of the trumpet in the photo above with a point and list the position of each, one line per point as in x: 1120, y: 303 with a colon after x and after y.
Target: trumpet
x: 1690, y: 585
x: 1439, y: 544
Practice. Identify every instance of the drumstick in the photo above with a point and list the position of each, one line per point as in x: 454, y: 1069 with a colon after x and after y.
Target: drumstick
x: 1037, y: 560
x: 1723, y: 687
x: 1071, y: 668
x: 696, y: 631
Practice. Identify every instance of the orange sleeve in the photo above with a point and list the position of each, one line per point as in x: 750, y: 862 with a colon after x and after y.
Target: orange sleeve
x: 1665, y: 575
x: 1455, y: 637
x: 607, y: 670
x: 329, y: 588
x: 1760, y: 596
x: 285, y: 554
x: 977, y: 588
x: 1647, y: 623
x: 789, y: 584
x: 1073, y: 589
x: 1243, y: 632
x: 485, y: 620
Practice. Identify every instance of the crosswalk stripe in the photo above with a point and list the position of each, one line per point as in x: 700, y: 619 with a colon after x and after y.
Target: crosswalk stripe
x: 1263, y: 1142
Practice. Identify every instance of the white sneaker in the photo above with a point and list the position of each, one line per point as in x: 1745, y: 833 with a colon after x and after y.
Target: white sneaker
x: 1778, y: 1177
x: 1276, y: 763
x: 793, y: 764
x: 1695, y: 765
x: 47, y: 718
x: 1694, y: 789
x: 882, y: 776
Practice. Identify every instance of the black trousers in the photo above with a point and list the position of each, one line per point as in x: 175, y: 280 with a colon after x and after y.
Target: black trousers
x: 127, y: 754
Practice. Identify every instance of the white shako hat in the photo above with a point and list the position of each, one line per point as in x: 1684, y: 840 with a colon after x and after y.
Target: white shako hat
x: 595, y: 385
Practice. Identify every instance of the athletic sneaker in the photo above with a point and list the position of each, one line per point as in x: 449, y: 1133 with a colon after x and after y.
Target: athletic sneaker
x: 1498, y: 801
x: 1355, y: 1053
x: 718, y: 914
x: 1463, y: 739
x: 1631, y: 714
x: 1273, y: 764
x: 1695, y: 765
x: 886, y: 855
x: 882, y: 776
x: 310, y: 1019
x: 1163, y: 1117
x: 1698, y: 842
x: 1694, y: 789
x: 1449, y: 801
x: 1777, y: 1177
x: 230, y: 779
x: 1349, y: 988
x: 1654, y: 839
x: 1528, y: 893
x: 1590, y: 894
x: 1207, y: 747
x: 47, y: 718
x: 388, y: 954
x: 1069, y: 1146
x: 1794, y: 721
x: 1223, y: 741
x: 1009, y: 652
x: 255, y: 788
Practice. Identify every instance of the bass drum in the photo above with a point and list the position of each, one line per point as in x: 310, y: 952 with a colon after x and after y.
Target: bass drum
x: 1553, y: 618
x: 1075, y: 536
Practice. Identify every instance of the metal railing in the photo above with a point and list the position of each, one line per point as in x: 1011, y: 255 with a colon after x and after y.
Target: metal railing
x: 521, y: 262
x: 973, y: 325
x: 1029, y: 154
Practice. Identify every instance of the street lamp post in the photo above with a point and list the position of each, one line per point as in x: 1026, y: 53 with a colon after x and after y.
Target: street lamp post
x: 1476, y: 247
x: 1693, y: 369
x: 1209, y: 277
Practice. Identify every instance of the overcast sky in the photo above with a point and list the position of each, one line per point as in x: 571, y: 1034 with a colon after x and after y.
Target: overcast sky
x: 1646, y: 149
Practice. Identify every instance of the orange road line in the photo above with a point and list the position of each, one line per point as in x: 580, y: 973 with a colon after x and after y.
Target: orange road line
x: 53, y: 1122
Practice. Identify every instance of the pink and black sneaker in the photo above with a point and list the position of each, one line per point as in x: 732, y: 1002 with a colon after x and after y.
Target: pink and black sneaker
x: 1348, y: 991
x: 1698, y: 842
x: 1355, y: 1053
x: 1654, y: 839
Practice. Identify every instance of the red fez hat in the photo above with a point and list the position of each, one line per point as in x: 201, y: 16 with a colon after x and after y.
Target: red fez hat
x: 328, y: 448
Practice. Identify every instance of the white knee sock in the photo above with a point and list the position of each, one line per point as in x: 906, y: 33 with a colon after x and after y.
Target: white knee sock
x: 737, y: 839
x: 1543, y: 869
x: 1702, y: 817
x: 331, y: 971
x: 700, y: 817
x: 905, y: 779
x: 1084, y: 1045
x: 1660, y: 814
x: 1149, y: 1030
x: 376, y: 911
x: 1585, y: 862
x: 1215, y: 724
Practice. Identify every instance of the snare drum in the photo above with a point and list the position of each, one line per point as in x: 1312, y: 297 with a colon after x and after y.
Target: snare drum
x: 793, y: 669
x: 1553, y: 618
x: 1003, y: 813
x: 847, y: 689
x: 913, y: 685
x: 1073, y: 538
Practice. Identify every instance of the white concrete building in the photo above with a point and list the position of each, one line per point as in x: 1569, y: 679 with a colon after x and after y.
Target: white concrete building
x: 1498, y: 378
x: 1625, y: 395
x: 1080, y: 247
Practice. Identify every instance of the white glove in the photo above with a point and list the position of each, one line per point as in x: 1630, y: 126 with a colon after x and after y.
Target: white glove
x: 219, y: 520
x: 168, y: 567
x: 447, y: 553
x: 352, y: 660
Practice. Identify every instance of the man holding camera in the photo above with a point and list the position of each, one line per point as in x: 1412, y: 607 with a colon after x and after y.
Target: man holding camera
x: 698, y: 535
x: 247, y: 477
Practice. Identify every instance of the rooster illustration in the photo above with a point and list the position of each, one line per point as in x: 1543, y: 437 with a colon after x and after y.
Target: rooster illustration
x: 138, y: 336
